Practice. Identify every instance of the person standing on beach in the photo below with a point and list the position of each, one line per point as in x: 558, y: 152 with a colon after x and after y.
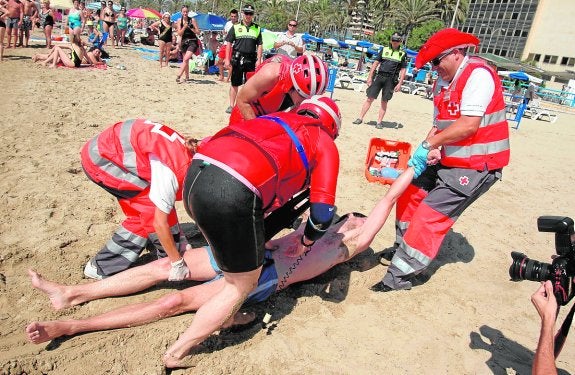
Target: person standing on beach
x: 390, y: 66
x: 466, y: 150
x: 289, y: 43
x: 30, y: 14
x: 13, y: 20
x: 244, y: 52
x: 234, y: 19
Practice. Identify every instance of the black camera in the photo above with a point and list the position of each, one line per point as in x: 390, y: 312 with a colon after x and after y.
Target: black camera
x: 562, y: 270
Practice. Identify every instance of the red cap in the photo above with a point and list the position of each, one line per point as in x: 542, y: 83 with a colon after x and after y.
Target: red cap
x: 442, y: 41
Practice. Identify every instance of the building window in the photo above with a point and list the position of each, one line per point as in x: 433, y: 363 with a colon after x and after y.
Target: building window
x: 553, y: 59
x: 515, y: 16
x: 569, y: 61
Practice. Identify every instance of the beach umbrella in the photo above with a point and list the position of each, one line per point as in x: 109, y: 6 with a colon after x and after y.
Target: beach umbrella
x: 310, y: 38
x: 210, y: 22
x: 176, y: 16
x: 519, y: 75
x: 268, y: 39
x: 61, y: 4
x: 143, y: 13
x: 331, y: 42
x: 522, y: 76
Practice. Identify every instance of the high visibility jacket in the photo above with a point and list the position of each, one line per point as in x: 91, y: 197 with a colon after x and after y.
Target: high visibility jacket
x: 488, y: 148
x: 261, y: 152
x: 119, y: 157
x: 272, y: 100
x: 390, y: 60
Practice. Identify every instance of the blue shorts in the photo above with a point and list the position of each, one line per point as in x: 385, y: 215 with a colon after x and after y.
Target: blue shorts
x: 267, y: 283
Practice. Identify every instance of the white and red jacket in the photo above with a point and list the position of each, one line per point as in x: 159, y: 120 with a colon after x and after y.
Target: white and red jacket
x: 488, y: 148
x: 119, y: 157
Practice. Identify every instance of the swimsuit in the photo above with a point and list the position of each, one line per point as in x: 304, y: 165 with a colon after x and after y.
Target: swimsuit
x: 2, y: 24
x: 74, y: 20
x: 122, y: 23
x: 46, y: 19
x: 165, y: 33
x: 267, y: 282
x: 13, y: 22
x: 26, y: 23
x: 109, y: 23
x: 75, y: 59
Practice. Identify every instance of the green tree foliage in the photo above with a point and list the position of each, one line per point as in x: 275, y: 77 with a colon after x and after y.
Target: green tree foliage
x: 421, y: 33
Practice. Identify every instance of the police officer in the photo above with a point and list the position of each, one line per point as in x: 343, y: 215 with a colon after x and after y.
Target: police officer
x: 246, y: 52
x: 390, y: 66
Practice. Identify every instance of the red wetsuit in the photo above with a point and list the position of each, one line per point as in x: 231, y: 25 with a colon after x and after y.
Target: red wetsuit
x: 264, y: 158
x: 272, y: 100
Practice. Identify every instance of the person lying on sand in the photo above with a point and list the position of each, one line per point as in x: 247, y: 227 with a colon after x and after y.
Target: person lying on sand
x: 347, y: 238
x: 280, y: 270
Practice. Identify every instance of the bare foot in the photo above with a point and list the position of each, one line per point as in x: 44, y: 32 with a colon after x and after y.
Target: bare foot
x: 171, y: 361
x: 240, y: 319
x: 39, y: 332
x: 34, y: 58
x: 54, y: 291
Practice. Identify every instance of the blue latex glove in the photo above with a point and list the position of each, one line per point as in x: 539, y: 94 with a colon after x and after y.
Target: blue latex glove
x: 418, y: 161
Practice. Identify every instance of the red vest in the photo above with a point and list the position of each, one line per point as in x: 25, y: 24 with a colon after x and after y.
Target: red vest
x: 489, y: 146
x: 266, y: 157
x: 272, y: 100
x: 119, y: 156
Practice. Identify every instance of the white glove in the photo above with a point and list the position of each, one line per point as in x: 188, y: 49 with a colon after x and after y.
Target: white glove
x: 179, y: 271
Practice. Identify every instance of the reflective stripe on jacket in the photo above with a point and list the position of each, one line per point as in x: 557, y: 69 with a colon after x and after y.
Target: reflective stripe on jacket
x: 488, y: 148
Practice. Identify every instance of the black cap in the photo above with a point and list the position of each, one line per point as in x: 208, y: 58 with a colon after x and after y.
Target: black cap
x: 396, y: 37
x: 248, y: 8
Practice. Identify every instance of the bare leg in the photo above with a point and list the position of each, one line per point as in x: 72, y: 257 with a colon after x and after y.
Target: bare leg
x: 382, y: 110
x: 2, y: 32
x: 233, y: 95
x: 365, y: 107
x: 173, y: 304
x: 127, y: 282
x: 211, y: 316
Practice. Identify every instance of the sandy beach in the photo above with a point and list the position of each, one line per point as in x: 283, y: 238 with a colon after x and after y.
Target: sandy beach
x: 467, y: 318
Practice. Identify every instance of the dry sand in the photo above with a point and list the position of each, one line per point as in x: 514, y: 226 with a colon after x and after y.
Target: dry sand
x: 468, y: 318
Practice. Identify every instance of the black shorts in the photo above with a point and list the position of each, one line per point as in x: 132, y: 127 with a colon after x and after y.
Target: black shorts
x: 189, y: 45
x: 229, y: 215
x: 242, y: 65
x: 385, y: 84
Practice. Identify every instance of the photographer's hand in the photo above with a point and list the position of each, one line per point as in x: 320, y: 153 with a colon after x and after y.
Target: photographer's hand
x: 546, y: 305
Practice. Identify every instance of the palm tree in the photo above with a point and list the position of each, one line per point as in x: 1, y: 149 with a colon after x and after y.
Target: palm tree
x: 446, y: 8
x: 412, y: 13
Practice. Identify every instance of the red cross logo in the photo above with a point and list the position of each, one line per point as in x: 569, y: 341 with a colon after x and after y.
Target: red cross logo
x: 296, y: 68
x: 464, y: 180
x: 453, y: 108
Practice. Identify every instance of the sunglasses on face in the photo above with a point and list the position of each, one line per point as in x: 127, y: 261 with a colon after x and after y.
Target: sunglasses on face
x: 292, y: 25
x: 436, y: 61
x: 248, y: 14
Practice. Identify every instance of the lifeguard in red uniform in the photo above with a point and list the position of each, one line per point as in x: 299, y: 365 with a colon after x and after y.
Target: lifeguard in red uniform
x: 460, y: 159
x: 280, y: 83
x: 243, y: 172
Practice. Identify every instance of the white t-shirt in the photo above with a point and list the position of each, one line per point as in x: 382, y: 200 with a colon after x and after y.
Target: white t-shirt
x: 477, y: 92
x: 164, y: 185
x: 287, y: 49
x: 227, y: 27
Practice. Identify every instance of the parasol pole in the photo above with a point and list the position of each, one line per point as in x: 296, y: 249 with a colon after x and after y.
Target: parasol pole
x: 454, y: 13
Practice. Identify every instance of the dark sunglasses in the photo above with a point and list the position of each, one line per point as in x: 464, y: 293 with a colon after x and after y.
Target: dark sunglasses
x: 436, y: 61
x: 248, y: 13
x: 292, y: 25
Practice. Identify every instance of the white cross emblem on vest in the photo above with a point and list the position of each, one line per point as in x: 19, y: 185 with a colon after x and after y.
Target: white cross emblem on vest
x: 453, y: 108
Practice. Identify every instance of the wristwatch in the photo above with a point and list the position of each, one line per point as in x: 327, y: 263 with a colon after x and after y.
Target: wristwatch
x: 426, y: 145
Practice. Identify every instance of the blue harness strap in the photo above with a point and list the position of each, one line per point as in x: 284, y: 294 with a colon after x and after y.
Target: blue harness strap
x: 295, y: 140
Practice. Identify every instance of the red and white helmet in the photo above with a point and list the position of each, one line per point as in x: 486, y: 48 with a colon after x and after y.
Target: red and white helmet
x: 308, y: 75
x: 324, y: 109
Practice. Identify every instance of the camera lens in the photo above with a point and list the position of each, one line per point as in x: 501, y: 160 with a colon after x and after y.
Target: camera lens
x: 523, y: 268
